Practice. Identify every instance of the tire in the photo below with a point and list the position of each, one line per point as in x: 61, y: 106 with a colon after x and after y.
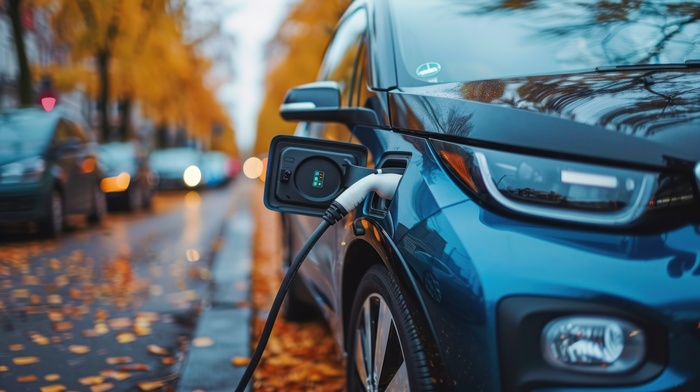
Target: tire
x: 52, y: 225
x: 134, y: 198
x: 98, y: 210
x: 380, y: 318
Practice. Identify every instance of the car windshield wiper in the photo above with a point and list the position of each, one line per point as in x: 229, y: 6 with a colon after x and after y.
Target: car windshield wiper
x: 644, y: 67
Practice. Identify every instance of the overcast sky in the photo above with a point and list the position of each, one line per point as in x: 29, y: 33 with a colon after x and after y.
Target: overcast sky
x: 252, y: 24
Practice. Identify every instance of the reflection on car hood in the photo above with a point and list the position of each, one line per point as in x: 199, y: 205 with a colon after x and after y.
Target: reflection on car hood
x: 646, y: 117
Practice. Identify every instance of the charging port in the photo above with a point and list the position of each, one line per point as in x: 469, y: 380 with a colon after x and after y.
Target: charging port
x: 376, y: 206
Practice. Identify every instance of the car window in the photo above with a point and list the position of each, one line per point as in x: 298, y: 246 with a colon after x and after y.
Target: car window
x: 74, y: 131
x: 340, y: 64
x: 341, y: 57
x: 62, y: 133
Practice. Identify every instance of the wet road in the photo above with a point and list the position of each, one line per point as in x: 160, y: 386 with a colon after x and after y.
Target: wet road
x: 110, y: 307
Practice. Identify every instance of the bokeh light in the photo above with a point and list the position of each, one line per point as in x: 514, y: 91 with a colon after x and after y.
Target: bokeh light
x: 253, y: 167
x: 192, y: 176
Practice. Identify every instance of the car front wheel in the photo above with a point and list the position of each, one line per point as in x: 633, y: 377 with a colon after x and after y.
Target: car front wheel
x: 51, y: 226
x: 385, y: 352
x: 99, y: 206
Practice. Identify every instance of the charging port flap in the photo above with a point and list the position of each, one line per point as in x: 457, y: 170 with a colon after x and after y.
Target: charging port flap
x: 305, y: 175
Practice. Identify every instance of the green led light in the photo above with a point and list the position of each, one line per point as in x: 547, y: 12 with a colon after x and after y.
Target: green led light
x: 318, y: 179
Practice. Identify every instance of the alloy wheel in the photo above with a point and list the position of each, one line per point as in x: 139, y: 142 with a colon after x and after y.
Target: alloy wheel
x: 379, y: 356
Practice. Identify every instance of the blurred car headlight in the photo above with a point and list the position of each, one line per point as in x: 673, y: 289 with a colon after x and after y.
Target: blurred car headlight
x: 26, y: 170
x: 593, y: 344
x: 118, y: 183
x: 192, y: 176
x: 563, y: 190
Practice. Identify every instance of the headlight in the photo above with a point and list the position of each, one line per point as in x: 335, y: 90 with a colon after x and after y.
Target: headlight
x: 192, y: 176
x: 564, y: 190
x: 26, y: 170
x: 593, y: 344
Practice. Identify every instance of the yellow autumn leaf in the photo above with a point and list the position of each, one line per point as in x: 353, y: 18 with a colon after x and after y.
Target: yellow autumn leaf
x: 52, y: 377
x: 53, y: 388
x: 91, y: 380
x: 78, y: 349
x: 25, y: 360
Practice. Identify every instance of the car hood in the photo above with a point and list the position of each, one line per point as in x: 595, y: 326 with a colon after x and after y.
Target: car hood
x: 647, y: 117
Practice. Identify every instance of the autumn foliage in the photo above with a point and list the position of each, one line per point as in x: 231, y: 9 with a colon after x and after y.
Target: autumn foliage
x: 294, y: 57
x: 135, y: 51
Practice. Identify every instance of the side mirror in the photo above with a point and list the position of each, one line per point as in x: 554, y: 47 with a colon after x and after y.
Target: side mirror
x: 305, y: 175
x: 320, y: 102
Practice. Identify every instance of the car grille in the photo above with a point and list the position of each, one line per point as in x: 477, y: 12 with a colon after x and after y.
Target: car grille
x: 14, y: 204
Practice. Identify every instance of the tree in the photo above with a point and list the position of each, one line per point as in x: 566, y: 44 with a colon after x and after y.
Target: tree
x: 25, y: 95
x: 294, y: 57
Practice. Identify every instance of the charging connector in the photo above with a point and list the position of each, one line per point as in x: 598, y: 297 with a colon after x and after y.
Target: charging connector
x: 384, y: 185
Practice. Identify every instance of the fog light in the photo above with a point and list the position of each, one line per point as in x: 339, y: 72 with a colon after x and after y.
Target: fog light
x: 593, y: 344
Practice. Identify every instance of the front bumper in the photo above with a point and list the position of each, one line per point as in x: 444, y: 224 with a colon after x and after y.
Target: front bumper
x: 23, y: 202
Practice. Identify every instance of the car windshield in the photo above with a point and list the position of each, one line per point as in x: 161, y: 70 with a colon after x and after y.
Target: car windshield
x: 458, y: 40
x: 118, y: 156
x: 24, y: 132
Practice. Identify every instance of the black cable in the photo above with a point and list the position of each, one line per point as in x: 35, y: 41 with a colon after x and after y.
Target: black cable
x: 277, y: 303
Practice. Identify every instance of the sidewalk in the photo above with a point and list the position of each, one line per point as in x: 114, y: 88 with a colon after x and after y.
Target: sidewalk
x: 224, y: 327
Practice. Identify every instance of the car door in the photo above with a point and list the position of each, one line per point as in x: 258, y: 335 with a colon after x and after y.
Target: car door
x: 82, y: 185
x: 339, y: 64
x: 67, y: 158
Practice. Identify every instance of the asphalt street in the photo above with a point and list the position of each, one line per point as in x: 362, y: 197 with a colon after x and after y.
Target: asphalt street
x: 144, y: 301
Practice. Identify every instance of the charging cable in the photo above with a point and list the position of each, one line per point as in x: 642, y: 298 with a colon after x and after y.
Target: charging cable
x: 384, y: 185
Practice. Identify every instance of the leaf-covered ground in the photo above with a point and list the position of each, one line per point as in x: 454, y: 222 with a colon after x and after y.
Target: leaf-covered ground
x: 299, y: 356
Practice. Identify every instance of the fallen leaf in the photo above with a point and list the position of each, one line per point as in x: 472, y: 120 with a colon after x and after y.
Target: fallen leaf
x: 40, y: 339
x: 20, y: 293
x: 61, y: 281
x: 54, y: 299
x: 119, y: 323
x: 119, y: 376
x: 150, y: 385
x: 125, y: 337
x: 240, y: 361
x: 78, y: 349
x: 101, y: 314
x: 202, y: 341
x: 52, y: 377
x: 91, y: 380
x: 4, y: 368
x: 55, y: 315
x: 119, y: 360
x: 25, y: 360
x: 16, y: 347
x: 168, y: 361
x: 74, y: 293
x: 136, y: 367
x: 101, y: 328
x: 30, y: 378
x: 55, y: 264
x: 35, y: 299
x: 101, y: 387
x: 63, y: 326
x: 53, y: 388
x: 157, y: 350
x: 30, y: 280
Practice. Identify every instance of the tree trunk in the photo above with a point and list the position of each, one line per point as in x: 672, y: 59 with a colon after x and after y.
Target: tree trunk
x: 125, y: 126
x: 24, y: 87
x: 103, y: 95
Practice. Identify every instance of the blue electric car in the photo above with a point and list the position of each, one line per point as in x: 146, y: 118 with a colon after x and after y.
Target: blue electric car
x: 545, y: 233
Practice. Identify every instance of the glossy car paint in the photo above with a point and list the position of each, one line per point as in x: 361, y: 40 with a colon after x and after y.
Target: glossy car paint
x: 461, y: 261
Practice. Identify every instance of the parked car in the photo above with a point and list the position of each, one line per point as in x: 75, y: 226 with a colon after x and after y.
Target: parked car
x: 48, y: 169
x: 176, y: 168
x: 129, y: 181
x: 215, y: 168
x: 545, y: 235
